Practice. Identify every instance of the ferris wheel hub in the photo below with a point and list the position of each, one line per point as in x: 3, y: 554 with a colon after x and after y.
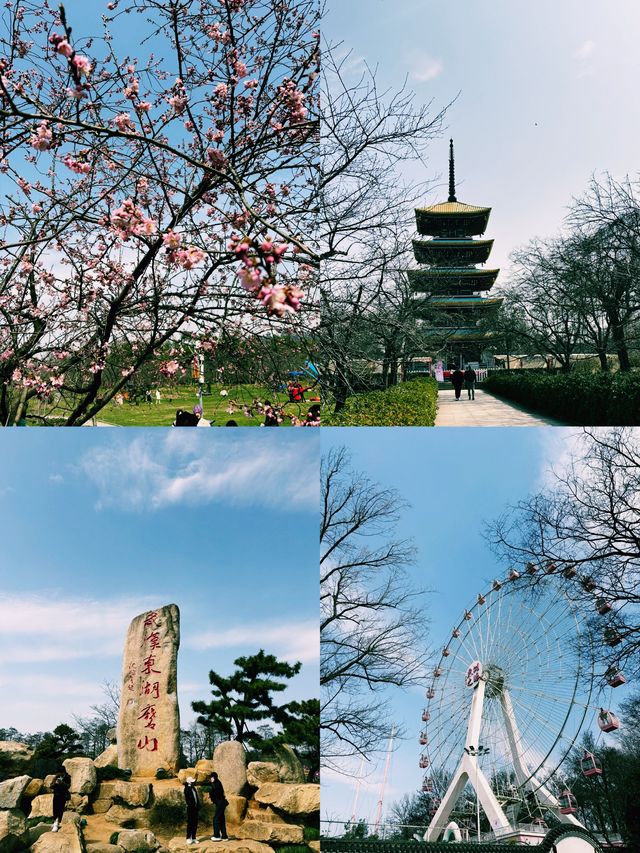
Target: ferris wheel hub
x: 495, y: 677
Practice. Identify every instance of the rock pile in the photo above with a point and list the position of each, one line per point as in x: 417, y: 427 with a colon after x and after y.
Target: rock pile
x: 268, y: 807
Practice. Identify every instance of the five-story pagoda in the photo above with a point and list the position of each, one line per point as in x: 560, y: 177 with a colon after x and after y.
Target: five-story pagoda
x: 451, y: 291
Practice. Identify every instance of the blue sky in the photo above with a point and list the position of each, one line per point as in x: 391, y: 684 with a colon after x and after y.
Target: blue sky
x: 547, y: 94
x: 455, y: 480
x: 99, y: 525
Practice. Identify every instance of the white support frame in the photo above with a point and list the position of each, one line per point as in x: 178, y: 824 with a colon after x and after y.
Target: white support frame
x: 469, y: 771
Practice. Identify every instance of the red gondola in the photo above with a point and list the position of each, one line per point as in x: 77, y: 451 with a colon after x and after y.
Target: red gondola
x: 424, y: 762
x: 481, y: 598
x: 607, y: 721
x: 455, y: 632
x: 513, y: 575
x: 497, y: 585
x: 590, y: 765
x: 602, y: 606
x: 445, y: 652
x: 568, y: 803
x: 588, y: 583
x: 570, y: 572
x: 614, y: 677
x: 531, y: 568
x: 431, y: 693
x: 426, y: 716
x: 427, y: 785
x: 550, y: 567
x: 423, y: 739
x: 611, y: 636
x: 467, y: 615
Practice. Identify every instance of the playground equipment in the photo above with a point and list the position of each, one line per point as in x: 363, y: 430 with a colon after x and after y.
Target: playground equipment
x: 506, y: 702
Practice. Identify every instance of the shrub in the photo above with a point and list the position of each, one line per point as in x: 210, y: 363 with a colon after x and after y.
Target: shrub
x: 167, y: 816
x: 311, y: 833
x: 412, y: 403
x: 106, y: 774
x: 585, y: 399
x: 113, y: 838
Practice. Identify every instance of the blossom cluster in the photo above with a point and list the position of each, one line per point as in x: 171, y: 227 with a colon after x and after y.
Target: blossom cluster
x: 128, y: 220
x: 257, y: 274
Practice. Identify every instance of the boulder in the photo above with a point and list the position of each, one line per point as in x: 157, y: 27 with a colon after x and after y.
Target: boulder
x: 290, y: 769
x: 314, y: 845
x: 236, y: 810
x: 262, y: 813
x: 122, y: 816
x: 108, y: 758
x: 33, y: 788
x: 83, y: 775
x: 12, y: 825
x: 12, y: 790
x: 183, y: 775
x: 15, y: 757
x: 290, y: 799
x: 100, y: 806
x: 230, y: 762
x: 204, y: 768
x: 112, y: 734
x: 68, y: 839
x: 78, y: 803
x: 34, y: 833
x: 103, y: 847
x: 131, y: 793
x: 47, y: 785
x: 259, y: 772
x: 168, y: 797
x: 137, y: 841
x: 271, y: 833
x: 42, y: 806
x: 149, y: 720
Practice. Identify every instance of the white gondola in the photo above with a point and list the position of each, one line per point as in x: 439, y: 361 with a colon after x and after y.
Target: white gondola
x: 590, y: 765
x: 607, y: 721
x: 431, y: 693
x: 467, y: 615
x: 426, y: 716
x: 614, y: 677
x: 445, y: 652
x: 423, y: 739
x: 496, y: 585
x: 481, y: 598
x: 514, y: 575
x: 424, y: 761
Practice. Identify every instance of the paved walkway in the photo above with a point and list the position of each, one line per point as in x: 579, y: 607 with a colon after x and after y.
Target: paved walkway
x: 485, y: 410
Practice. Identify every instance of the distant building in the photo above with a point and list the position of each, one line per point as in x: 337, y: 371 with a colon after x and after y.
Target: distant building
x: 450, y: 291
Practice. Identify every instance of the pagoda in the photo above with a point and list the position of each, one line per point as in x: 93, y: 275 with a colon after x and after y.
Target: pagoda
x: 451, y: 291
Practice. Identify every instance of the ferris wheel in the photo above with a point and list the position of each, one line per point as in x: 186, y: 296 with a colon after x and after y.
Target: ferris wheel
x: 512, y: 689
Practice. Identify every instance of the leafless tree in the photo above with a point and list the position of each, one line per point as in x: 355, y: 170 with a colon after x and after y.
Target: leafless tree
x: 366, y: 209
x: 588, y: 525
x: 372, y: 628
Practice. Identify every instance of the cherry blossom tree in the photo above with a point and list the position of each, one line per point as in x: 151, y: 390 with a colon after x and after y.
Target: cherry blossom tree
x: 144, y: 197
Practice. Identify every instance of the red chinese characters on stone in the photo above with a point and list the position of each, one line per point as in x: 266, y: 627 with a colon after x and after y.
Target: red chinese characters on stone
x: 130, y: 676
x: 148, y: 664
x: 149, y: 745
x: 149, y: 714
x: 151, y: 620
x: 151, y: 689
x: 154, y: 640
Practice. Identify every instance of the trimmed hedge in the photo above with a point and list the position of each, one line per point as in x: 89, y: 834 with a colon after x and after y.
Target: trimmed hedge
x: 412, y: 403
x: 591, y: 399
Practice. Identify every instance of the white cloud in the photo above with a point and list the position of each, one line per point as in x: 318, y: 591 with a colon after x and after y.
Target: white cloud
x: 293, y: 641
x: 425, y: 68
x: 39, y: 629
x: 144, y: 474
x: 585, y: 50
x: 56, y: 478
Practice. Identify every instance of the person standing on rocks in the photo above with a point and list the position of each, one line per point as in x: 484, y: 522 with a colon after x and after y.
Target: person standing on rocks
x: 193, y: 805
x: 219, y: 804
x: 61, y: 794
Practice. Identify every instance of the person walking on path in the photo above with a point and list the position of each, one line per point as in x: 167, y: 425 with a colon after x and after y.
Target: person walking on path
x: 61, y: 794
x: 193, y: 805
x: 470, y: 382
x: 457, y: 378
x: 219, y: 803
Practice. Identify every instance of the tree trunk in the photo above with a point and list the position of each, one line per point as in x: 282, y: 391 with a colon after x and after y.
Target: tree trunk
x: 604, y: 363
x: 619, y: 340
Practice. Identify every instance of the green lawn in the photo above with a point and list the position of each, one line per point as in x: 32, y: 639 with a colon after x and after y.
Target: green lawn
x: 215, y: 407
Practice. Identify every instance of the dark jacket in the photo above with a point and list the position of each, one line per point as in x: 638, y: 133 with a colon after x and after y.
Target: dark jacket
x: 60, y: 788
x: 191, y: 797
x: 217, y: 792
x: 469, y: 375
x: 457, y: 378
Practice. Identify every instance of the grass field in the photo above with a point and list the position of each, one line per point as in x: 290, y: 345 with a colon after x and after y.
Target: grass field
x: 215, y: 407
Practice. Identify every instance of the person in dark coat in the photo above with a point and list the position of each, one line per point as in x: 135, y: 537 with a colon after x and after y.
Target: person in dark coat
x: 60, y: 788
x: 457, y: 378
x: 193, y: 804
x: 219, y: 804
x: 470, y: 382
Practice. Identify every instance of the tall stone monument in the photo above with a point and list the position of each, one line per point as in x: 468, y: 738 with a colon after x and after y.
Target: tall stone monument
x: 149, y: 719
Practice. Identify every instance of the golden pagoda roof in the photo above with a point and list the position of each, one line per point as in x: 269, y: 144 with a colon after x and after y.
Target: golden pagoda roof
x: 454, y: 208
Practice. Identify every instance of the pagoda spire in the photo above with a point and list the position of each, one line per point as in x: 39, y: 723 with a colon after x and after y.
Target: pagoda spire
x: 452, y: 174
